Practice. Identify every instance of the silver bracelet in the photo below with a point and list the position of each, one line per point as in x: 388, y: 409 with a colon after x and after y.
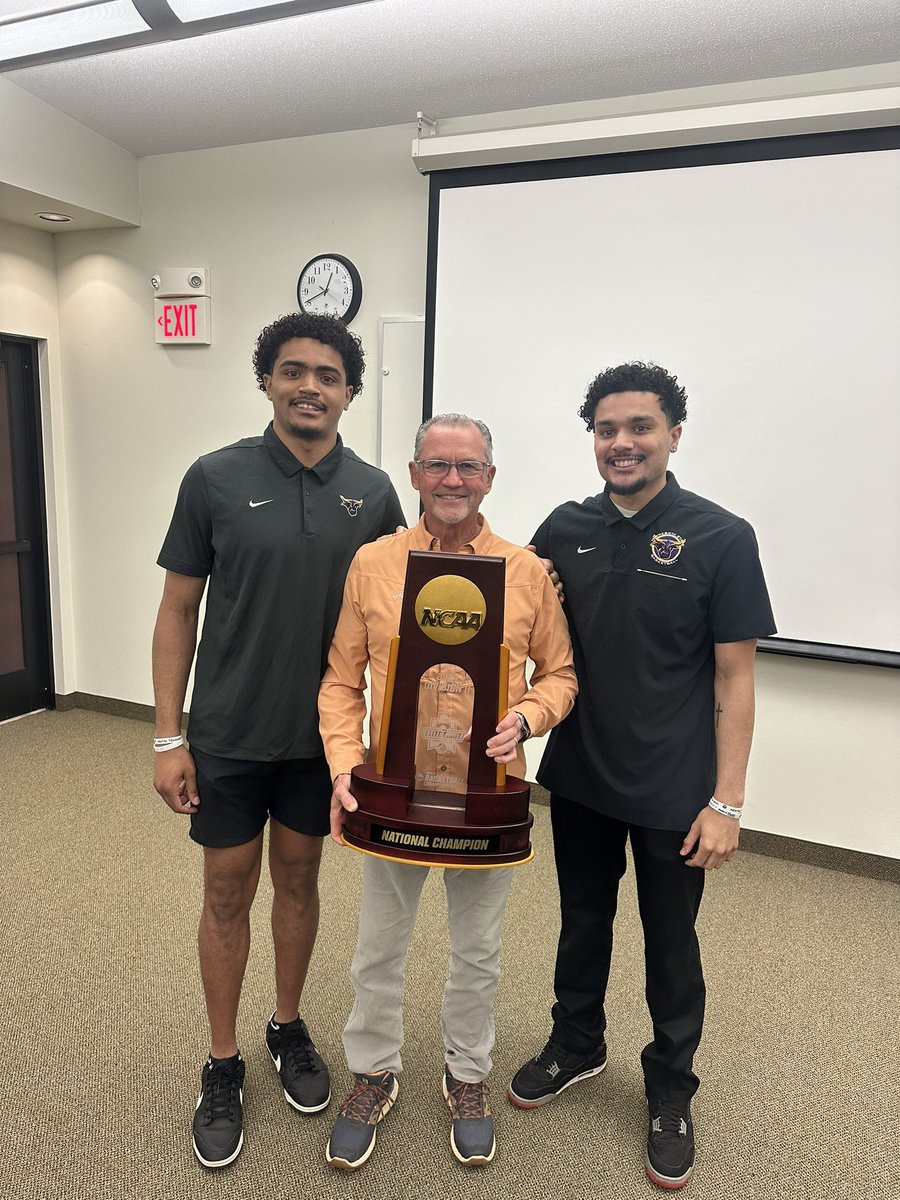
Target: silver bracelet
x: 725, y: 809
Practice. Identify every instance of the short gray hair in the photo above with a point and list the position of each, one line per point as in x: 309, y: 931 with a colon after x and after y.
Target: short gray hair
x: 456, y: 421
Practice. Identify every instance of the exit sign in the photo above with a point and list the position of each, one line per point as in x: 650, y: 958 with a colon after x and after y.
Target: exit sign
x: 182, y: 321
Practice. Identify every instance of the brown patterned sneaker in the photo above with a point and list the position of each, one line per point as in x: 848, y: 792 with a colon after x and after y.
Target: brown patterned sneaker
x: 472, y: 1132
x: 353, y: 1136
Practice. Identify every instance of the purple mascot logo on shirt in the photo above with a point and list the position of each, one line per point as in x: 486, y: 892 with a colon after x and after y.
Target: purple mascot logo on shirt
x: 666, y: 547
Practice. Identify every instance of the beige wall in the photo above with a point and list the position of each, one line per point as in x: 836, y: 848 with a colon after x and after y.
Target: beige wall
x: 125, y: 417
x: 49, y: 155
x: 29, y: 307
x: 139, y: 413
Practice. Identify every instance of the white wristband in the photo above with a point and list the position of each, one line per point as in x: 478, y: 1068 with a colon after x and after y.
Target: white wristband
x: 161, y: 745
x: 725, y: 809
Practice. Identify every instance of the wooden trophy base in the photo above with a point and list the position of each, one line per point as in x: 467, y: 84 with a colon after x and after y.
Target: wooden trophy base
x: 486, y: 827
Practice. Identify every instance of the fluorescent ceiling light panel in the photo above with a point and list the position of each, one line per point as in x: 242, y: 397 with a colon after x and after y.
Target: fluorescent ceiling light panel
x: 36, y: 32
x: 70, y: 27
x: 24, y: 10
x: 201, y: 10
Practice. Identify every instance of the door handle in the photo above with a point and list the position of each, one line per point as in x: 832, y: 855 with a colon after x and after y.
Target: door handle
x: 14, y: 547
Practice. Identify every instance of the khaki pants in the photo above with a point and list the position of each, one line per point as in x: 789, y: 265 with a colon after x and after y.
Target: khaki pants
x: 476, y: 899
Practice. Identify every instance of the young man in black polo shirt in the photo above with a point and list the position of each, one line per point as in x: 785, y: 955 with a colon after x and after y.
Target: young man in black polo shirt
x: 271, y: 523
x: 665, y: 598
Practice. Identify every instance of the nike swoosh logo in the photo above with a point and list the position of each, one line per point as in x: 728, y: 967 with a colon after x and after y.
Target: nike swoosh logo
x: 585, y: 549
x: 257, y: 503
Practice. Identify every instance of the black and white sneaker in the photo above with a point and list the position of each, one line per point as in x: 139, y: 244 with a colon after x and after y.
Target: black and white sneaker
x: 670, y: 1144
x: 218, y: 1119
x: 551, y: 1072
x: 304, y: 1075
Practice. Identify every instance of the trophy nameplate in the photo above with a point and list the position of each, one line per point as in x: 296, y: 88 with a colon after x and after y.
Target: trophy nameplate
x: 452, y: 612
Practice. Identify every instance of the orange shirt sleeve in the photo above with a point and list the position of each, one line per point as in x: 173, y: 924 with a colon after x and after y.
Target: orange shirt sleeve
x: 342, y: 703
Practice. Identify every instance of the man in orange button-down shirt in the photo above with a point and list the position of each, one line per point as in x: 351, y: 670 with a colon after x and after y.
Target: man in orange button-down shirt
x: 453, y: 472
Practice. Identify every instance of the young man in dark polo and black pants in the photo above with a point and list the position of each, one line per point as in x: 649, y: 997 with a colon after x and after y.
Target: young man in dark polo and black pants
x: 665, y: 598
x: 271, y: 523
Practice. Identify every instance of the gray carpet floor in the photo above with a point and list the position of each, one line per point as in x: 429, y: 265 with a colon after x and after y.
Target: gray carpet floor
x: 104, y: 1029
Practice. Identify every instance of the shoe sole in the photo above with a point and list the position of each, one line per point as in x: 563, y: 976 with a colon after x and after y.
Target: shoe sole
x: 473, y: 1160
x: 670, y: 1182
x: 344, y: 1164
x: 522, y: 1102
x: 290, y: 1099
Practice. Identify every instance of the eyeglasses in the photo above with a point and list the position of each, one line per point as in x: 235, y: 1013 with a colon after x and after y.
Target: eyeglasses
x: 437, y: 468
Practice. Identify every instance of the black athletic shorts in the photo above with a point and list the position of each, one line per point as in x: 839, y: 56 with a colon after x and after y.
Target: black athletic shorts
x: 237, y: 797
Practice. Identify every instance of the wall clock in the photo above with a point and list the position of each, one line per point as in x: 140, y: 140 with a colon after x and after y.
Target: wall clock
x: 330, y: 283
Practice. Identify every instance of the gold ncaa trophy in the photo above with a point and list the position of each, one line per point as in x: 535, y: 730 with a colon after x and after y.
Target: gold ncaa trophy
x: 452, y: 612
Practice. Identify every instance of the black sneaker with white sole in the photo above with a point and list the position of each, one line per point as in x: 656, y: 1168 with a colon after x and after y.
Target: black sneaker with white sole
x: 304, y: 1076
x: 551, y: 1072
x: 218, y: 1119
x: 670, y: 1143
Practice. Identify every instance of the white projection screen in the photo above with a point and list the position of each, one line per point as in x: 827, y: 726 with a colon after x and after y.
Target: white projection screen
x: 766, y: 276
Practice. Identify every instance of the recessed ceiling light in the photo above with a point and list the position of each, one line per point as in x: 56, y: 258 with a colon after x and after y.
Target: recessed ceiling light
x: 61, y: 217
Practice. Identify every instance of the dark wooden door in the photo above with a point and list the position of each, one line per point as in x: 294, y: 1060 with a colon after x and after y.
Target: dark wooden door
x: 26, y: 674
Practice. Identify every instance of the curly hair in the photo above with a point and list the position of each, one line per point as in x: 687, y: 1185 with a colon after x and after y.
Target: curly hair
x: 637, y: 377
x: 330, y: 331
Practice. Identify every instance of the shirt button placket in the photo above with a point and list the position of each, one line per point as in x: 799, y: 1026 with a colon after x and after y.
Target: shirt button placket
x: 621, y: 550
x: 304, y: 501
